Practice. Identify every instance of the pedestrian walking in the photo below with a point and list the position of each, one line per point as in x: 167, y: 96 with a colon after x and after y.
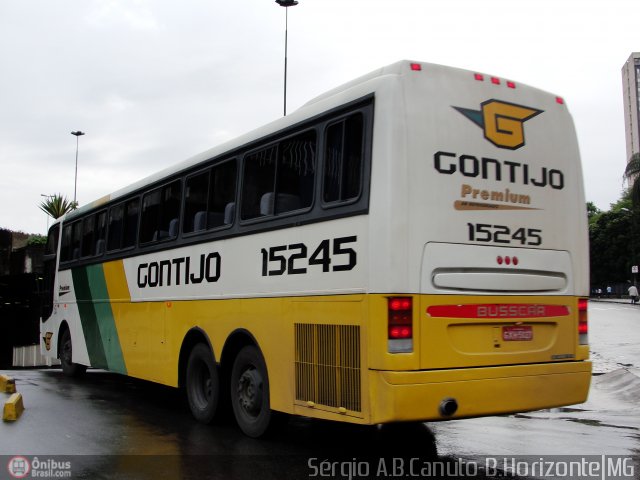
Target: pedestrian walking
x: 633, y: 293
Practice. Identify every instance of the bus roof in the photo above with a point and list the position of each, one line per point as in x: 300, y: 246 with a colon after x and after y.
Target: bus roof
x: 333, y: 98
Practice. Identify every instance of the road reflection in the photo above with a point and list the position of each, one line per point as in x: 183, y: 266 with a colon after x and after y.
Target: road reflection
x: 146, y: 431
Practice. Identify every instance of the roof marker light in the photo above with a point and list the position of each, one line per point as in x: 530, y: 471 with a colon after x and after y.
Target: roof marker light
x: 560, y: 100
x: 479, y: 77
x: 511, y: 84
x: 416, y: 67
x: 495, y: 80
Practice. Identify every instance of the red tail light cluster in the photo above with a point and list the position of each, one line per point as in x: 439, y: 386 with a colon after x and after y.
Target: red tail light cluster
x: 400, y: 324
x: 583, y: 324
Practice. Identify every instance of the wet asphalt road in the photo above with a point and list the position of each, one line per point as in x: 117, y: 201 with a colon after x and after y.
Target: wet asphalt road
x: 116, y: 427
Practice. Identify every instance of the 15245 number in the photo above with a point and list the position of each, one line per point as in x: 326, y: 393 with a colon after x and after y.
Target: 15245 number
x: 482, y: 232
x: 332, y: 255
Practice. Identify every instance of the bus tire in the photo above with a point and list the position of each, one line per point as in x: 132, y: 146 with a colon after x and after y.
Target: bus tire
x: 250, y: 392
x: 69, y: 368
x: 202, y: 384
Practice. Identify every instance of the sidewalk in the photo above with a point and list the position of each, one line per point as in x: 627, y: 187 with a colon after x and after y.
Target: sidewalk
x: 604, y: 299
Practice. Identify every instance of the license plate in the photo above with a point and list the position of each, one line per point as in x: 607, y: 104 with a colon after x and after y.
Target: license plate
x: 517, y: 333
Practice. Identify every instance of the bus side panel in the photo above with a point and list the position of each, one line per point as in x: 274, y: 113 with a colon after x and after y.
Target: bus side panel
x: 97, y: 318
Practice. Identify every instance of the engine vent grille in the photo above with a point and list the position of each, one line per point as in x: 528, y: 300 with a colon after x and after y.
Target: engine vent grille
x: 328, y: 365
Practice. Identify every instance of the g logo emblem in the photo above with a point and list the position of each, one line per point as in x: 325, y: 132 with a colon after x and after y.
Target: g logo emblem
x: 502, y: 122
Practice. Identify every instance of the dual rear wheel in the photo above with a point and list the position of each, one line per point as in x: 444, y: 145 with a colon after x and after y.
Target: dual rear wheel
x: 248, y: 388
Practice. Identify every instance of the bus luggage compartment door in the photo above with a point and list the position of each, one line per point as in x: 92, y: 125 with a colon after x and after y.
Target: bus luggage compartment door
x: 484, y: 306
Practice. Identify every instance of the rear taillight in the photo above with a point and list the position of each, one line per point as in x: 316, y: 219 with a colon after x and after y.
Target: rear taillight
x: 400, y: 324
x: 583, y: 324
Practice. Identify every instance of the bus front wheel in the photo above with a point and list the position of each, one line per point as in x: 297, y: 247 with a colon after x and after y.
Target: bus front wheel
x: 250, y: 392
x: 202, y: 384
x: 69, y: 368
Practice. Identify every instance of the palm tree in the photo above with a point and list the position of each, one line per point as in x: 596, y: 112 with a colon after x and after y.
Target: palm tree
x: 631, y: 174
x: 57, y: 205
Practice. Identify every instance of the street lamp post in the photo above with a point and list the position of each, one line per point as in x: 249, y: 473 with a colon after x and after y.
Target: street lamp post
x: 75, y: 183
x: 286, y: 4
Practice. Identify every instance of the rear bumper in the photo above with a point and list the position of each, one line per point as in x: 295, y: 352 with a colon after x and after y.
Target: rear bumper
x: 417, y: 395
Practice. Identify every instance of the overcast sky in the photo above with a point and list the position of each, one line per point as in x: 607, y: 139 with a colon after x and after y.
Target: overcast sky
x: 153, y: 82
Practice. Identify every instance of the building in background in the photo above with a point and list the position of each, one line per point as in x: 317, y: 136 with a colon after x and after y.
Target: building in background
x: 21, y: 266
x: 631, y: 100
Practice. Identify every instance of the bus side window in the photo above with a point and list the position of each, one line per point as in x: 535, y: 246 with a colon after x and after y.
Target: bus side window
x: 279, y: 178
x: 160, y: 213
x: 65, y: 248
x: 195, y: 202
x: 222, y: 194
x: 88, y: 232
x: 76, y: 240
x: 149, y: 224
x: 50, y: 252
x: 343, y: 160
x: 116, y: 227
x: 259, y: 179
x: 132, y: 209
x: 296, y: 173
x: 101, y: 233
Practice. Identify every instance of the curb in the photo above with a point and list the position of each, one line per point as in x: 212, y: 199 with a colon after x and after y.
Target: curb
x: 7, y: 384
x: 13, y: 408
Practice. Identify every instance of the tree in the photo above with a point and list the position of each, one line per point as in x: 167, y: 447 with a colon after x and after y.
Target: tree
x: 57, y: 205
x: 631, y: 174
x: 592, y: 212
x: 613, y: 239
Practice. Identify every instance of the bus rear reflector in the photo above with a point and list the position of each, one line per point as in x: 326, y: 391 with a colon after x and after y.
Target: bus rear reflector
x: 400, y: 324
x: 583, y: 323
x: 507, y: 310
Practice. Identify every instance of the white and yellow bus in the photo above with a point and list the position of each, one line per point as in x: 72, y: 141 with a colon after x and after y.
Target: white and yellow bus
x: 411, y: 246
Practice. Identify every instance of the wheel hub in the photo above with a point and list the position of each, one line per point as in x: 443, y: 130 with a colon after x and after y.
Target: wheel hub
x: 250, y: 391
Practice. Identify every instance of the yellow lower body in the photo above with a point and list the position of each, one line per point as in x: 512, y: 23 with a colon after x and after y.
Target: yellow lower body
x: 417, y: 396
x: 410, y: 396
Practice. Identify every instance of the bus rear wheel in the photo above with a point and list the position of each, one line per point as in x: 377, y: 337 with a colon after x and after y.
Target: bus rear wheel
x: 202, y: 384
x: 69, y: 368
x: 250, y: 392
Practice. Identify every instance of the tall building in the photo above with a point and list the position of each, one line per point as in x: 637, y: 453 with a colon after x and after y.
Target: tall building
x: 631, y: 100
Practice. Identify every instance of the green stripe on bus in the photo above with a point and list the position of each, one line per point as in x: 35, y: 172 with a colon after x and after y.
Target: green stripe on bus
x: 96, y: 316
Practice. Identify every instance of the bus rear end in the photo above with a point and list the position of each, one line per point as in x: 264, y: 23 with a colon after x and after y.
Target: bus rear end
x: 483, y: 307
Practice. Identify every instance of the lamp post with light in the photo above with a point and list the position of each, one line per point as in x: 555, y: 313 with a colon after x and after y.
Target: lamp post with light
x: 286, y: 4
x: 75, y: 183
